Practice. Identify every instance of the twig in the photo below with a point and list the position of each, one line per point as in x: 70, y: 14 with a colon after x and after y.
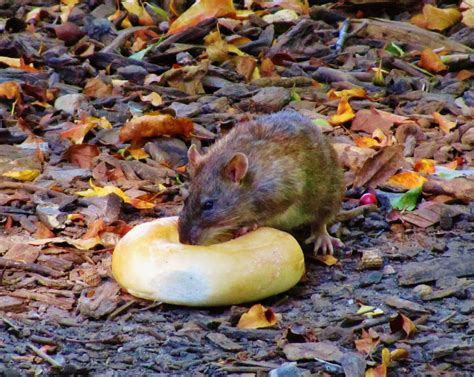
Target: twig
x: 44, y: 356
x: 29, y: 187
x: 31, y: 267
x: 121, y: 37
x: 121, y: 309
x: 342, y: 34
x: 351, y: 213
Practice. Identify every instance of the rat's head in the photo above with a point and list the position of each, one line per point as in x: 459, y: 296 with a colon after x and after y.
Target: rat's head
x: 215, y: 207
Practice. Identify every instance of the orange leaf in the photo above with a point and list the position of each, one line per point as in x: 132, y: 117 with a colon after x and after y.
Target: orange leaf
x: 96, y: 88
x: 201, y: 11
x: 402, y: 322
x: 365, y: 142
x: 10, y: 90
x: 445, y: 124
x: 257, y: 317
x: 77, y: 132
x: 430, y: 61
x: 434, y: 18
x: 155, y: 125
x: 137, y: 153
x: 327, y: 259
x: 344, y: 112
x: 366, y: 344
x: 94, y: 230
x: 407, y: 180
x: 425, y: 166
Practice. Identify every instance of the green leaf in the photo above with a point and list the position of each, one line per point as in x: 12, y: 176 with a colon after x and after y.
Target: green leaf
x: 294, y: 95
x: 394, y: 49
x: 408, y: 200
x: 141, y: 54
x: 159, y: 11
x: 320, y: 122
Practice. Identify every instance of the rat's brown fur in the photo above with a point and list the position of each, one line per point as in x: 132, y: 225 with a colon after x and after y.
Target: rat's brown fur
x: 293, y: 178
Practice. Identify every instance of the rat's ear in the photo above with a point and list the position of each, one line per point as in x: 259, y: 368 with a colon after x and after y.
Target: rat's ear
x: 237, y: 167
x: 193, y: 156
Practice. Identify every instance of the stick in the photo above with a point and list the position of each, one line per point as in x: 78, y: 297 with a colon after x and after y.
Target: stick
x: 31, y: 267
x: 44, y: 356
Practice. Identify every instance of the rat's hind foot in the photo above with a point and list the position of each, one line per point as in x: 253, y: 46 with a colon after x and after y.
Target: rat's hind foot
x: 323, y: 242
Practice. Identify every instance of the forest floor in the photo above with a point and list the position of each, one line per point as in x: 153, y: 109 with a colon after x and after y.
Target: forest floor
x: 98, y: 107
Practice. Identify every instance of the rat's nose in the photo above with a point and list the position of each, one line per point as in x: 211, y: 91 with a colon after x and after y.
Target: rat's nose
x: 187, y: 234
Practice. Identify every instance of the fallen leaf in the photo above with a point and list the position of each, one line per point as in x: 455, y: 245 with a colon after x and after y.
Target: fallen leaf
x: 134, y: 7
x: 344, y: 112
x: 10, y: 90
x: 26, y: 175
x: 366, y: 344
x: 299, y: 6
x: 468, y: 17
x: 200, y: 11
x: 78, y: 132
x: 444, y: 124
x: 154, y: 98
x: 380, y: 370
x: 147, y: 126
x: 137, y: 153
x: 257, y: 317
x: 328, y: 260
x: 398, y: 354
x: 17, y: 63
x: 369, y: 311
x: 96, y: 88
x: 369, y: 120
x: 431, y: 61
x: 407, y: 180
x: 348, y: 93
x: 434, y: 18
x: 460, y: 188
x: 104, y: 191
x: 407, y: 201
x: 82, y: 155
x: 309, y: 351
x: 366, y: 142
x: 402, y: 322
x: 425, y: 166
x: 187, y: 79
x: 378, y: 168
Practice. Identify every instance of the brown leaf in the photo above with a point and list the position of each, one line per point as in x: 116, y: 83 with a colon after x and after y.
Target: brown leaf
x: 187, y: 79
x: 378, y: 168
x: 402, y: 322
x: 82, y: 154
x: 369, y: 120
x: 308, y: 351
x: 96, y: 88
x: 461, y: 188
x: 366, y: 344
x: 99, y: 301
x: 147, y: 126
x: 68, y: 32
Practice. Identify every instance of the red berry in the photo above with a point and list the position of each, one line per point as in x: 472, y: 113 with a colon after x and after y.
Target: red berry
x: 368, y: 198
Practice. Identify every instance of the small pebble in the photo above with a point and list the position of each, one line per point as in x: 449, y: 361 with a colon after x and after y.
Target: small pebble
x: 371, y: 278
x: 422, y: 290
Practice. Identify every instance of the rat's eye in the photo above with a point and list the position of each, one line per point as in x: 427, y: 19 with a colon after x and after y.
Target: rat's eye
x: 207, y: 205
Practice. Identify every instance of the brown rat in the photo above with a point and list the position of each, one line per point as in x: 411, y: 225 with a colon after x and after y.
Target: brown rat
x: 278, y: 170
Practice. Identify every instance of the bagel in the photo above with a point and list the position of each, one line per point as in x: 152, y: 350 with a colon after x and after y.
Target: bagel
x: 151, y: 263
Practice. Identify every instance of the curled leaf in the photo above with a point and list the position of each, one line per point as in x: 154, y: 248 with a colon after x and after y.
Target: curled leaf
x: 344, y: 112
x: 257, y: 317
x: 434, y: 18
x: 407, y: 180
x: 26, y: 175
x: 407, y: 201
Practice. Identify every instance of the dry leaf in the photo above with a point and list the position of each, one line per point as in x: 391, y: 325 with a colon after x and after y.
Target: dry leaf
x: 26, y: 175
x: 134, y: 7
x: 154, y: 98
x: 431, y: 61
x: 460, y: 188
x: 328, y: 260
x: 425, y: 166
x: 366, y: 344
x: 147, y: 126
x: 104, y: 191
x: 348, y: 93
x: 407, y: 180
x: 445, y: 124
x: 366, y: 142
x: 201, y: 11
x: 434, y: 18
x: 187, y: 79
x: 344, y: 112
x: 378, y: 168
x: 10, y: 90
x: 82, y: 155
x: 96, y: 88
x: 402, y: 322
x: 468, y: 17
x: 257, y: 317
x: 371, y: 120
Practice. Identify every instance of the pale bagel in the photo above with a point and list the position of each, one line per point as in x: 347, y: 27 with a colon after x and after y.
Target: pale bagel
x: 151, y: 263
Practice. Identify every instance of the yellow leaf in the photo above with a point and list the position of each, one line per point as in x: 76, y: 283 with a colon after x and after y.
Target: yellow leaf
x: 104, y: 191
x: 138, y: 153
x: 328, y: 260
x: 407, y: 180
x: 369, y: 311
x: 201, y: 11
x: 425, y: 166
x: 257, y: 317
x: 344, y: 112
x: 468, y: 17
x: 399, y: 353
x: 355, y: 92
x: 434, y: 18
x: 134, y: 7
x: 27, y: 175
x: 445, y: 124
x: 154, y: 98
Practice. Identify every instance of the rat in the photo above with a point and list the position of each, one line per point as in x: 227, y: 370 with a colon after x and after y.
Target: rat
x: 277, y: 170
